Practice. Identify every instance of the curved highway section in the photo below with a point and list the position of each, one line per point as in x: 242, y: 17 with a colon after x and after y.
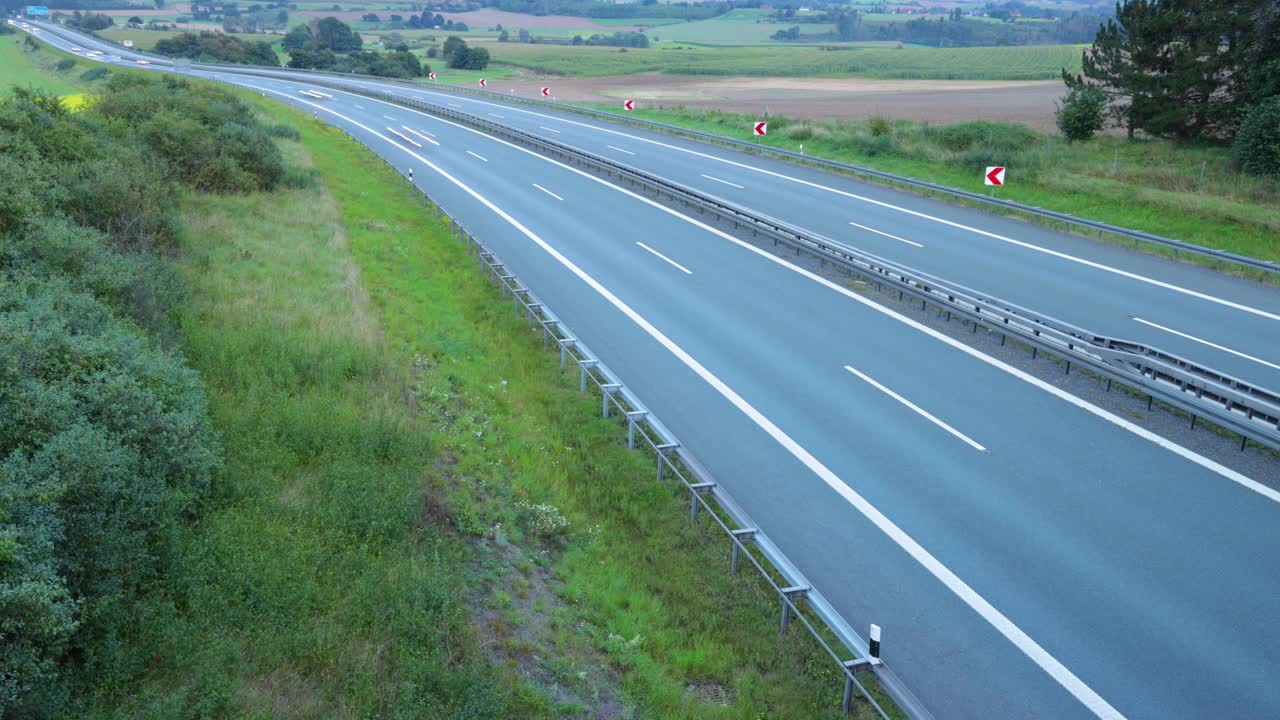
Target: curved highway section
x: 1028, y: 554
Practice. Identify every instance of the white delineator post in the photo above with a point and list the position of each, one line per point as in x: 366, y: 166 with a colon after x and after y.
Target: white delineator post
x: 875, y: 641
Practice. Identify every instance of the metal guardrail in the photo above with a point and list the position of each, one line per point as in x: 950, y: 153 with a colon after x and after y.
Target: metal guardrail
x: 1251, y: 411
x: 706, y: 496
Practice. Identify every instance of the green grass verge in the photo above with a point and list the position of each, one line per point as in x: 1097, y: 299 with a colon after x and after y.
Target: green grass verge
x: 38, y: 68
x: 1040, y: 62
x: 418, y: 515
x: 1155, y: 186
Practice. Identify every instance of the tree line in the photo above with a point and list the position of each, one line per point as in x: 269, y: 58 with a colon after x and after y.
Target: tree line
x: 1190, y: 70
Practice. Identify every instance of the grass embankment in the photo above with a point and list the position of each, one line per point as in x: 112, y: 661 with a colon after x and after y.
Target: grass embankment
x: 1041, y: 62
x: 1155, y: 185
x: 400, y: 456
x: 38, y: 68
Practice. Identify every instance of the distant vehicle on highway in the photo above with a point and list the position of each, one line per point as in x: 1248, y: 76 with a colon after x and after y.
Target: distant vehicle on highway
x: 144, y: 62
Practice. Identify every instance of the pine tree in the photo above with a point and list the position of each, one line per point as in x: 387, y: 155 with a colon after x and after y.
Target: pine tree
x: 1181, y: 68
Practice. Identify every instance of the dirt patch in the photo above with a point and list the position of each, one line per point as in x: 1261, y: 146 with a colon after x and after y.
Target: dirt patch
x: 524, y: 624
x: 941, y: 101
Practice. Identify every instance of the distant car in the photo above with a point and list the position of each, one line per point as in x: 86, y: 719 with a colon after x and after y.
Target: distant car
x: 144, y: 62
x: 75, y: 49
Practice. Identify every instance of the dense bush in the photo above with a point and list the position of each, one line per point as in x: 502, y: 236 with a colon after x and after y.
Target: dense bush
x: 217, y: 47
x: 1082, y: 112
x: 1257, y: 143
x: 460, y: 57
x: 92, y: 74
x: 105, y: 443
x: 1006, y: 137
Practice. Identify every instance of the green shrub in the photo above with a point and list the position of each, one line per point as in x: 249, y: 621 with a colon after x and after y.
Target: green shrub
x: 879, y: 125
x: 105, y: 447
x: 1004, y: 137
x: 1257, y: 143
x: 1082, y: 112
x: 65, y: 64
x: 92, y: 74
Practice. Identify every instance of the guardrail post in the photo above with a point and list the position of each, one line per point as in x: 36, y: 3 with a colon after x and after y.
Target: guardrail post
x: 546, y: 331
x: 585, y: 366
x: 790, y: 595
x: 632, y: 416
x: 664, y: 450
x: 739, y: 536
x: 851, y: 667
x: 695, y: 490
x: 608, y: 389
x: 564, y: 350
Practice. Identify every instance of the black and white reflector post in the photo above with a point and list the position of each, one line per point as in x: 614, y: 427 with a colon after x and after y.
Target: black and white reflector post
x: 410, y: 174
x: 875, y: 641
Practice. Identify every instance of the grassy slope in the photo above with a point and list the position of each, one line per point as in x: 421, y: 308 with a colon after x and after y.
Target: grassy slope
x: 36, y: 69
x: 383, y: 413
x: 1154, y: 189
x: 1039, y: 62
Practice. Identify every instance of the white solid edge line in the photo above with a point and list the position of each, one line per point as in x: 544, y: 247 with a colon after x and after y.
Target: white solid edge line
x: 540, y: 127
x: 959, y: 226
x: 881, y: 232
x: 1059, y: 672
x: 404, y: 137
x: 925, y: 413
x: 547, y: 191
x: 424, y: 137
x: 476, y: 156
x: 726, y: 182
x: 686, y: 270
x: 619, y: 149
x: 1214, y: 345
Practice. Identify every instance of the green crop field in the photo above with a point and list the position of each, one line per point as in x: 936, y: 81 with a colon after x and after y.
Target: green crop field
x: 1040, y: 62
x: 725, y: 31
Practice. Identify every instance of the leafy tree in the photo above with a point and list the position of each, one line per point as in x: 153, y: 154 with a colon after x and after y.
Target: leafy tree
x: 334, y: 35
x: 312, y: 58
x: 504, y: 37
x: 298, y: 37
x: 451, y: 46
x: 1082, y: 112
x: 1257, y: 143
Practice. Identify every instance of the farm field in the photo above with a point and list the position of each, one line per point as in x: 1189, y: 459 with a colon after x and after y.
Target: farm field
x: 142, y: 39
x: 1042, y: 62
x: 1029, y: 103
x: 727, y: 31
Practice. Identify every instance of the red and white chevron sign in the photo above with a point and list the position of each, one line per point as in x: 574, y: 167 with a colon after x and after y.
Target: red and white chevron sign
x: 431, y: 75
x: 482, y: 83
x: 995, y: 176
x: 546, y: 92
x: 630, y: 104
x: 762, y: 128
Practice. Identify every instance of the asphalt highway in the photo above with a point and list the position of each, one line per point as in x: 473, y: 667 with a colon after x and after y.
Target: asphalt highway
x: 1028, y: 555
